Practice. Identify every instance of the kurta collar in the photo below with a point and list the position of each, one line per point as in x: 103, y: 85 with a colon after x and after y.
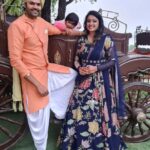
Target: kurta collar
x: 29, y: 20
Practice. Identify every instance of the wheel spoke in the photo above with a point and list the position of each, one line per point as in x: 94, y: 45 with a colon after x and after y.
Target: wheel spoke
x: 148, y: 111
x: 130, y: 99
x: 147, y: 117
x: 137, y: 98
x: 3, y: 89
x: 123, y: 123
x: 147, y: 97
x: 140, y: 128
x: 132, y: 129
x: 11, y: 121
x: 5, y: 102
x: 6, y: 131
x: 3, y: 110
x: 128, y: 107
x: 126, y: 128
x: 147, y: 124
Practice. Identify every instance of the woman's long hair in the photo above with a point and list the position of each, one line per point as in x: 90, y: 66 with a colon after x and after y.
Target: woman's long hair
x: 100, y: 30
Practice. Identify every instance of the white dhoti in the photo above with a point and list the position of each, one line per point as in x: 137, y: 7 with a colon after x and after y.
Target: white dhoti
x: 60, y: 88
x: 38, y: 123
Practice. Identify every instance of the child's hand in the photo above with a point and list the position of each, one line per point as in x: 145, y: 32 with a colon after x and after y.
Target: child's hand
x: 63, y: 33
x: 69, y: 31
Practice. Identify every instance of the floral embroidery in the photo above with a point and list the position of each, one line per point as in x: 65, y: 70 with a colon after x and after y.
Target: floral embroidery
x: 79, y: 114
x: 93, y: 127
x: 82, y: 47
x: 74, y: 113
x: 85, y: 84
x: 85, y: 144
x: 95, y: 94
x: 71, y: 131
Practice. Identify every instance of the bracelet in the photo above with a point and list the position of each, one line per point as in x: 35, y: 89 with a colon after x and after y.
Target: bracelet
x: 27, y: 75
x: 98, y: 69
x: 78, y: 67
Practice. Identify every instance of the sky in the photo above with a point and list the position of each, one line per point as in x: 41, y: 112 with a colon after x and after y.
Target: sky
x: 131, y: 12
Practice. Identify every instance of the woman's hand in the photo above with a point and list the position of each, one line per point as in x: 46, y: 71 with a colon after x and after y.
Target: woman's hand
x: 83, y: 70
x: 87, y: 70
x: 91, y: 69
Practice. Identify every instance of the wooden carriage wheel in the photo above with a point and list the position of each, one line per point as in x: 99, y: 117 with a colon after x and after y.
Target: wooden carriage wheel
x: 137, y: 127
x: 12, y: 125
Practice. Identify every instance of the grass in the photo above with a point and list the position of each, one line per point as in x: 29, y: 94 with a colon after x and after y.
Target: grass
x: 139, y: 146
x: 26, y: 143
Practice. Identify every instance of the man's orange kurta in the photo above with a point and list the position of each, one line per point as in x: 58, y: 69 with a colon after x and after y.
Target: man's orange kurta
x: 28, y: 41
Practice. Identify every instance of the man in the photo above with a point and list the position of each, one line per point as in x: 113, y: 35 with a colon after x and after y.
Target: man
x: 45, y: 86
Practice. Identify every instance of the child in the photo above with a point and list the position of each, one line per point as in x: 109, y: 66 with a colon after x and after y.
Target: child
x: 71, y: 22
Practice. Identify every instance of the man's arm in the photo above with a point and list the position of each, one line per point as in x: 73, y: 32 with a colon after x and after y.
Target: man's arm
x: 52, y: 30
x: 72, y: 32
x: 15, y: 44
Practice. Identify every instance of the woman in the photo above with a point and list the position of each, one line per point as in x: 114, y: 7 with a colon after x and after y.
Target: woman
x: 91, y: 120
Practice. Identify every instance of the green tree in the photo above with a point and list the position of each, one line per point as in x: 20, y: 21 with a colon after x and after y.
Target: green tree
x: 14, y: 8
x: 62, y: 8
x: 46, y: 11
x: 62, y: 4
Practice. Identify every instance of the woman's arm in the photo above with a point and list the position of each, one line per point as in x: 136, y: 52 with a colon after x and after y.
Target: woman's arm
x: 108, y: 57
x: 78, y: 67
x: 80, y: 47
x: 105, y: 66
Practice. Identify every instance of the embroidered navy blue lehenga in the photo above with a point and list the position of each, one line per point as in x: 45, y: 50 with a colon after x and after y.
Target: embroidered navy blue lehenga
x: 89, y: 119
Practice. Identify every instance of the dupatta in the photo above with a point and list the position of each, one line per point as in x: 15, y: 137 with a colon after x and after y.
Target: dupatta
x: 115, y: 74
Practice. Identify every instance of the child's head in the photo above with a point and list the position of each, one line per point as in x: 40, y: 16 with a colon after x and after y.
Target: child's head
x: 71, y: 20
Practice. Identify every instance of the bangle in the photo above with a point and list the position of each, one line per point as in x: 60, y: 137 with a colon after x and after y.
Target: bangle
x: 80, y: 33
x: 27, y: 75
x: 98, y: 69
x: 78, y: 67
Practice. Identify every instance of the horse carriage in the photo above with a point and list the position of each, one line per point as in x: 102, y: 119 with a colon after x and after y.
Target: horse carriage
x: 135, y: 71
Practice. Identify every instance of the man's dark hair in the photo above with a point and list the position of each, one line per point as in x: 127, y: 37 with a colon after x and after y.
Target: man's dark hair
x: 73, y: 18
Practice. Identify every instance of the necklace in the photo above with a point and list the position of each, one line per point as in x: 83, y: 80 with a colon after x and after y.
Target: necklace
x: 90, y: 39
